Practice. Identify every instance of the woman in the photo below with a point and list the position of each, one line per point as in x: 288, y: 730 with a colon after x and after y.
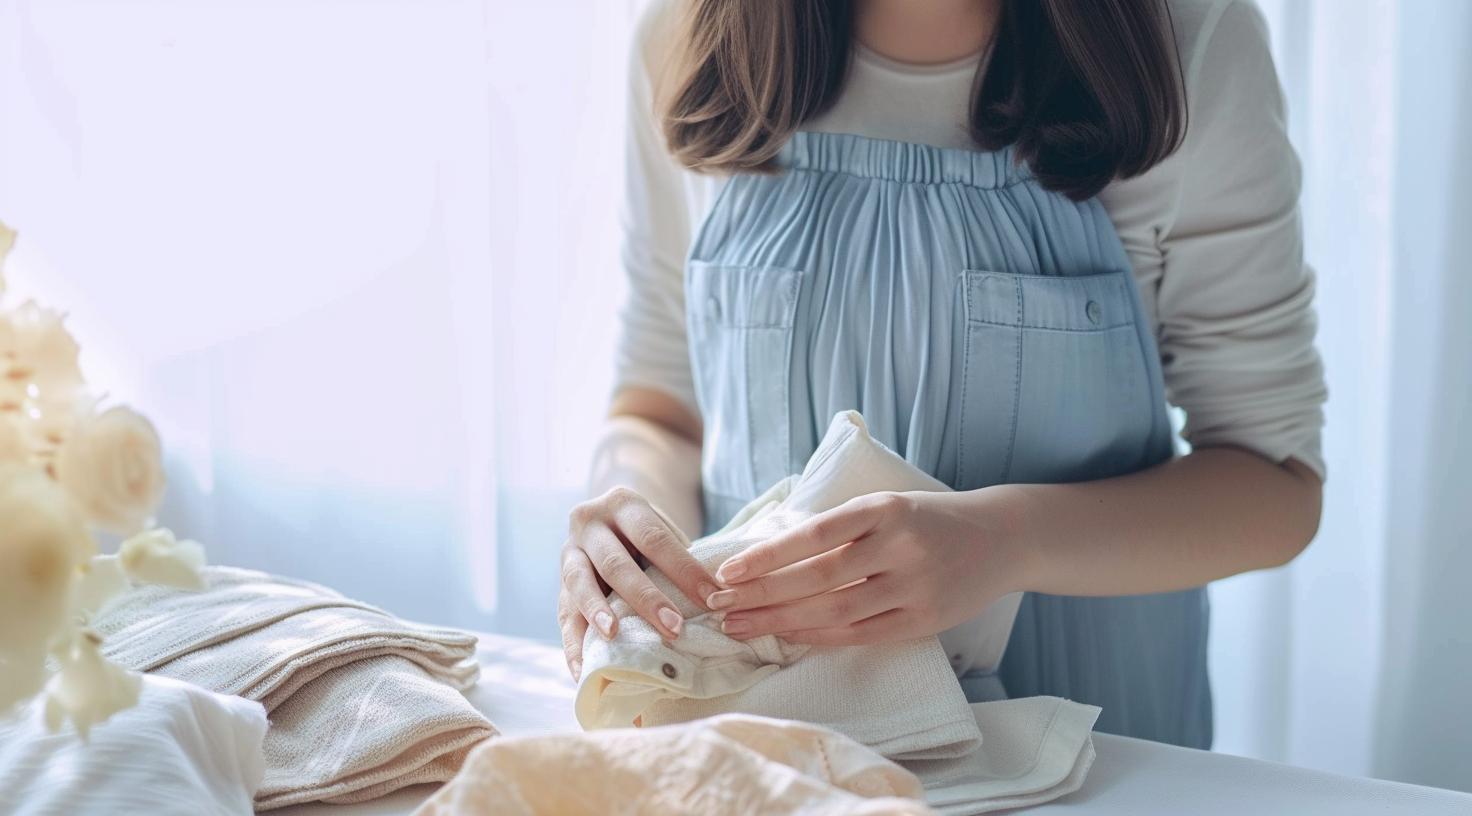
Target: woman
x: 1006, y: 232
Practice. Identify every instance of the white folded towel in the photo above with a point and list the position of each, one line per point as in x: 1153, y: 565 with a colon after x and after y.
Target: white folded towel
x: 181, y: 750
x: 361, y: 703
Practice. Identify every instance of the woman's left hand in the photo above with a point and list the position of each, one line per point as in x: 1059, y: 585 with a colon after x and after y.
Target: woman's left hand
x: 882, y: 567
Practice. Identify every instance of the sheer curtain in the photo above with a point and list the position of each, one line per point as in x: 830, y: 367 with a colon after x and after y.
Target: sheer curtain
x: 359, y: 262
x: 1355, y: 658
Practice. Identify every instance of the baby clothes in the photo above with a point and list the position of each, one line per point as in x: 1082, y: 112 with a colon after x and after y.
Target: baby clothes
x: 901, y: 699
x: 730, y: 765
x: 361, y: 703
x: 181, y: 750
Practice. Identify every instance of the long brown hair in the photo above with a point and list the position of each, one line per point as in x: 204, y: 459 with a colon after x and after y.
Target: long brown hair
x: 1087, y: 90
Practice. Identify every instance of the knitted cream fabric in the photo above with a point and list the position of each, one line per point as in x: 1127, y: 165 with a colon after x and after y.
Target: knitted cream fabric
x: 900, y: 699
x: 730, y: 765
x: 361, y: 703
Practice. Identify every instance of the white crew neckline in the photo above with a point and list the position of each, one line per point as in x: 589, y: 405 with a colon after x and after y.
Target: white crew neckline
x: 929, y: 70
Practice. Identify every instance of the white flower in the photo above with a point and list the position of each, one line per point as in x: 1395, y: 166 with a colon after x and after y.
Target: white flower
x: 156, y: 557
x: 113, y: 466
x: 98, y: 581
x: 50, y: 421
x: 36, y: 349
x: 42, y: 540
x: 14, y: 449
x: 89, y: 688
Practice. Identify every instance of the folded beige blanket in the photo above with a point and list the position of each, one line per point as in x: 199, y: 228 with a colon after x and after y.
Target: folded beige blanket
x: 361, y: 703
x: 730, y: 765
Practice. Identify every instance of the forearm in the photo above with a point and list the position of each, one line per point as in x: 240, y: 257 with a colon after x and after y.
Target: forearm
x: 654, y: 461
x: 1215, y: 513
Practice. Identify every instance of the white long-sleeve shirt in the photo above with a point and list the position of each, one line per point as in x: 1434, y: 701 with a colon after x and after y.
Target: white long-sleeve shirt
x: 1212, y: 232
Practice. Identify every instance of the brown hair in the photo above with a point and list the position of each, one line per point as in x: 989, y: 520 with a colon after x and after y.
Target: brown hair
x: 1087, y: 90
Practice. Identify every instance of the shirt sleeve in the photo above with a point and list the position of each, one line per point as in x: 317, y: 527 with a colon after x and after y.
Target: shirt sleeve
x: 1216, y: 234
x: 652, y: 350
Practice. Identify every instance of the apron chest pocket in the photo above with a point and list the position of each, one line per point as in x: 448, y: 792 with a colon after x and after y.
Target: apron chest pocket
x: 740, y: 321
x: 1055, y: 384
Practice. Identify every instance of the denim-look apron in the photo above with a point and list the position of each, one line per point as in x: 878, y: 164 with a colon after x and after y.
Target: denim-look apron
x: 989, y: 331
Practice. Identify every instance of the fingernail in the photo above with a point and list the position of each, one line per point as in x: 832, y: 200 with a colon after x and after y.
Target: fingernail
x: 671, y: 620
x: 706, y: 589
x: 731, y: 570
x: 577, y: 670
x: 604, y: 622
x: 735, y: 626
x: 721, y: 600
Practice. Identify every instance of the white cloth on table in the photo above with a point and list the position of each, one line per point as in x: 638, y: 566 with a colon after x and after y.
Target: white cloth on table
x: 181, y: 750
x: 361, y: 703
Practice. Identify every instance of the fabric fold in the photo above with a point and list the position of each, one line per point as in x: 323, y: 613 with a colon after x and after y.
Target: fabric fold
x: 901, y: 699
x: 181, y: 750
x: 361, y: 703
x: 730, y: 765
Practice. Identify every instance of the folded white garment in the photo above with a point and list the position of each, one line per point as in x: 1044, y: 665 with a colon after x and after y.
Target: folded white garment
x: 361, y: 703
x: 1036, y: 750
x: 731, y: 765
x: 181, y: 750
x: 901, y: 699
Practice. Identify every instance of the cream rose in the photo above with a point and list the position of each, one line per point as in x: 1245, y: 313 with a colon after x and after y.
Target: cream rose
x: 112, y: 465
x: 43, y: 540
x: 13, y: 447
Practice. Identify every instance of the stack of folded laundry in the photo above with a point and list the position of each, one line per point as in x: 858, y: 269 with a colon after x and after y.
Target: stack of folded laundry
x: 360, y: 703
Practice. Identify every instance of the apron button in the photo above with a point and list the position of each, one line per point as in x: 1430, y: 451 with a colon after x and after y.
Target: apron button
x: 1094, y: 311
x: 669, y: 671
x: 713, y: 308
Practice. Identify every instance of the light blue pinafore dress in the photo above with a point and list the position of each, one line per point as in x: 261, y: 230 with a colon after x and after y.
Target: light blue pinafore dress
x: 989, y: 331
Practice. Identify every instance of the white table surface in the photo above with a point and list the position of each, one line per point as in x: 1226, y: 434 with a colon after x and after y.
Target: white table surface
x: 524, y: 689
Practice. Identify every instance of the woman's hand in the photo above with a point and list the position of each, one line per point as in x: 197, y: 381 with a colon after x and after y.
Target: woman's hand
x: 610, y: 539
x: 882, y: 567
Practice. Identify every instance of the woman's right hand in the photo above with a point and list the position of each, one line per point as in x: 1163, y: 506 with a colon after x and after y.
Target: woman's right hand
x: 610, y: 539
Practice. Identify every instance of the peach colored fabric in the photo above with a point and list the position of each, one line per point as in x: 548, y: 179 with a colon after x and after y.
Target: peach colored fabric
x: 731, y: 764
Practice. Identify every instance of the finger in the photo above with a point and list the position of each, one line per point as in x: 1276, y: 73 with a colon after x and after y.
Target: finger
x: 885, y: 627
x: 650, y: 533
x: 821, y: 573
x: 819, y: 534
x: 573, y: 627
x: 612, y: 561
x: 581, y: 585
x: 829, y: 610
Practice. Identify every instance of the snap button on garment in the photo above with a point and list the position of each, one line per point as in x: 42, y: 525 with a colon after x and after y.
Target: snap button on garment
x: 1094, y: 311
x: 669, y: 671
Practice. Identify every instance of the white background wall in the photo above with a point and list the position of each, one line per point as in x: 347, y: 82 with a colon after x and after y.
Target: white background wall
x: 359, y: 262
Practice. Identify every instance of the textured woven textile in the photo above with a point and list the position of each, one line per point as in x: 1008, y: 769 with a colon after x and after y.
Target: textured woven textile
x: 901, y: 699
x: 729, y: 765
x: 361, y: 703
